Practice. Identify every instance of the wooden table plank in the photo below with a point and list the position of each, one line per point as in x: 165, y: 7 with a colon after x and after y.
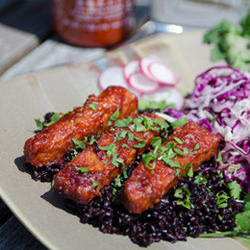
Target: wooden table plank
x: 14, y: 236
x: 5, y: 4
x: 5, y: 213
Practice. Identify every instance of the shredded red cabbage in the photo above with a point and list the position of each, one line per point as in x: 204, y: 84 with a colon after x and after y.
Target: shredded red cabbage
x: 221, y: 103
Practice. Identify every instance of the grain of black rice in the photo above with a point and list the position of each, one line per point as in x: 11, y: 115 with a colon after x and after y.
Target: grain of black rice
x: 166, y: 220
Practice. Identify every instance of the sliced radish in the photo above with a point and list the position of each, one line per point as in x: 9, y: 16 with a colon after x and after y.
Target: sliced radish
x: 140, y: 82
x: 162, y: 74
x: 131, y: 68
x: 169, y: 94
x: 112, y: 76
x: 144, y: 64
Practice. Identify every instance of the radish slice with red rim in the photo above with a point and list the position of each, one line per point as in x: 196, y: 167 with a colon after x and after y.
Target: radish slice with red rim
x: 112, y: 76
x: 140, y: 82
x: 131, y: 68
x: 162, y: 74
x: 144, y: 66
x: 169, y: 94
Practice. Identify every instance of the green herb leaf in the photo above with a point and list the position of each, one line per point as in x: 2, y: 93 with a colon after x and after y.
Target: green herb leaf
x: 197, y: 146
x: 156, y: 142
x: 142, y: 145
x: 180, y: 122
x: 125, y: 146
x: 79, y: 144
x: 123, y: 122
x: 178, y: 140
x: 95, y: 184
x: 39, y: 124
x: 115, y: 115
x: 130, y: 136
x: 171, y: 163
x: 93, y: 105
x: 235, y: 190
x: 54, y: 118
x: 52, y: 184
x: 139, y: 139
x: 146, y: 104
x: 122, y: 135
x: 82, y: 169
x: 147, y: 158
x: 109, y: 147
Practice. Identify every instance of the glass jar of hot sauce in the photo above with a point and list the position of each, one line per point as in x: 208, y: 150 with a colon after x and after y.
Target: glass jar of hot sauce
x: 93, y: 23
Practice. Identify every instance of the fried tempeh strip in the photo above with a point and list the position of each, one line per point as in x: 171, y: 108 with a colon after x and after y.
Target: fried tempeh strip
x: 146, y: 186
x: 96, y: 166
x: 50, y: 145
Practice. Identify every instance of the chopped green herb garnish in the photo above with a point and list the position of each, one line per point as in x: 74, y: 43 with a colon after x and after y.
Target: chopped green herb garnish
x: 139, y: 127
x: 92, y: 140
x: 156, y: 142
x: 82, y: 169
x: 67, y: 113
x: 79, y: 144
x: 197, y: 146
x: 179, y: 122
x: 118, y: 181
x: 39, y: 124
x: 52, y: 184
x: 171, y: 163
x: 184, y: 197
x: 147, y: 158
x: 75, y: 153
x: 109, y: 147
x: 131, y: 136
x: 222, y: 200
x: 190, y: 172
x: 235, y: 190
x: 145, y: 104
x: 123, y: 122
x: 178, y: 140
x: 54, y: 118
x: 138, y: 139
x: 153, y: 166
x: 200, y: 179
x: 132, y: 127
x: 179, y: 152
x: 95, y: 184
x: 125, y: 146
x: 122, y: 135
x: 124, y: 172
x: 161, y: 123
x: 109, y: 124
x: 93, y: 105
x: 141, y: 145
x: 115, y: 115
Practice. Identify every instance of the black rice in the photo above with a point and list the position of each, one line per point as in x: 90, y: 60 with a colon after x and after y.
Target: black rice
x: 166, y: 220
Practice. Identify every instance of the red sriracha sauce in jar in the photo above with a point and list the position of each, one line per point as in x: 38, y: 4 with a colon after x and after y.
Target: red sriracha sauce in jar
x: 92, y: 23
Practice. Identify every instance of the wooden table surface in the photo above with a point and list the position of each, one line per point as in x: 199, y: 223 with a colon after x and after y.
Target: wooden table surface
x: 28, y: 44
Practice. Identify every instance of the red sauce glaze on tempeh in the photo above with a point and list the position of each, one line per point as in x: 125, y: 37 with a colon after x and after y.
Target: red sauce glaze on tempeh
x: 146, y: 187
x: 50, y: 145
x: 83, y: 187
